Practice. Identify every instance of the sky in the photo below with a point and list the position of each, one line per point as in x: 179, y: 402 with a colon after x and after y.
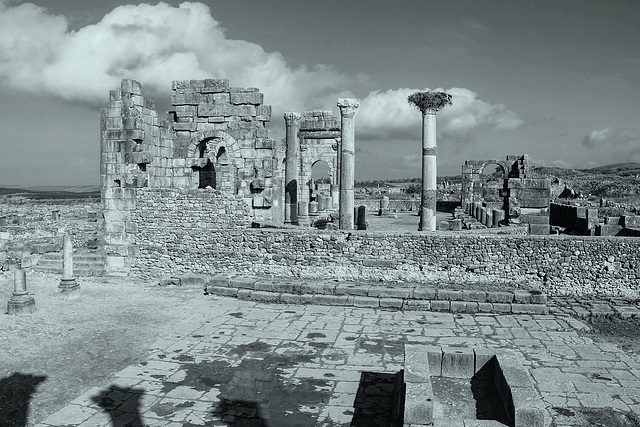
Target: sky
x: 556, y: 79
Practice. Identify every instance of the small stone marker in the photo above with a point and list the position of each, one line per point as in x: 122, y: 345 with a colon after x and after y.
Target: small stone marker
x: 20, y: 302
x: 3, y: 221
x: 55, y: 215
x: 313, y: 208
x: 68, y: 282
x: 361, y: 219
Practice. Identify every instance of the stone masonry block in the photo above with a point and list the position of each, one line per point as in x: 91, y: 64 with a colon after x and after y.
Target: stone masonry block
x: 464, y: 307
x: 485, y: 307
x: 458, y: 363
x: 265, y: 285
x: 501, y: 307
x: 360, y: 301
x: 418, y: 406
x: 522, y: 297
x: 391, y: 302
x: 440, y: 305
x: 416, y: 364
x: 340, y: 300
x: 289, y: 286
x: 296, y: 299
x: 539, y: 229
x: 472, y: 295
x: 424, y: 293
x: 482, y: 357
x: 222, y: 291
x: 253, y: 98
x: 449, y: 294
x: 263, y: 296
x: 417, y: 305
x: 351, y: 289
x: 215, y: 86
x: 529, y: 309
x: 215, y: 110
x: 244, y: 294
x: 243, y: 282
x: 496, y: 296
x: 529, y: 410
x: 388, y: 292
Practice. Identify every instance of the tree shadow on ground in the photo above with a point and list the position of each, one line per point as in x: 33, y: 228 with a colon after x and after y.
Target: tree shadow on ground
x: 16, y: 392
x: 122, y: 404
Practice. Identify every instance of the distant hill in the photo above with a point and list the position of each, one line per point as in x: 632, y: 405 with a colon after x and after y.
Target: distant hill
x: 53, y: 192
x: 617, y: 168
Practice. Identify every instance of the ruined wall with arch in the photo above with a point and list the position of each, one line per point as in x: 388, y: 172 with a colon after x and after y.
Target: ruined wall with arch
x: 215, y: 136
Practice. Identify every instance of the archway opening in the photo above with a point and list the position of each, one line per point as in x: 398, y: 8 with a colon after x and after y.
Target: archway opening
x: 207, y: 175
x: 321, y: 180
x: 491, y: 181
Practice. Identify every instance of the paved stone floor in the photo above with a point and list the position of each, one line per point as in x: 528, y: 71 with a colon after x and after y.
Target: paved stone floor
x: 243, y: 363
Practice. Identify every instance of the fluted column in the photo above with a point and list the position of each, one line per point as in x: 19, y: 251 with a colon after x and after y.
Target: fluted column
x: 348, y: 108
x: 292, y: 167
x: 429, y: 173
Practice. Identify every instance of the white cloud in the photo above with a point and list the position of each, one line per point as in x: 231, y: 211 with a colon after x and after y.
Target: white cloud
x: 153, y: 44
x: 606, y: 136
x: 387, y: 114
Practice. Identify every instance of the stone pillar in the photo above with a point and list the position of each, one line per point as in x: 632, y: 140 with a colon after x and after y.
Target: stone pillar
x: 498, y: 215
x: 335, y: 195
x: 303, y: 212
x: 20, y: 302
x: 384, y: 206
x: 347, y: 163
x: 55, y: 215
x: 3, y: 221
x: 292, y: 166
x: 361, y: 216
x: 429, y: 173
x: 313, y: 208
x: 68, y: 282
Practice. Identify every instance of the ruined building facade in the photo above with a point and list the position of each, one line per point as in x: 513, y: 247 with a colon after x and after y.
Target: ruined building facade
x: 214, y: 138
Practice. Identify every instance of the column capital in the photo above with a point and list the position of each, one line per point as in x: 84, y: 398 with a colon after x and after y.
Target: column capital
x: 348, y: 106
x: 292, y: 118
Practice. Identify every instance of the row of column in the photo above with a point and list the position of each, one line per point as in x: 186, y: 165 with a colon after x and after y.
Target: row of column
x: 346, y: 165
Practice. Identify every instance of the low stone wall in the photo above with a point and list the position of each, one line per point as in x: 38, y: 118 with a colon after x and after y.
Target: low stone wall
x: 184, y: 233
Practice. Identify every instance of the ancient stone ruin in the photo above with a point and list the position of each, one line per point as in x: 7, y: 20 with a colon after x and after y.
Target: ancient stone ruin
x: 216, y: 138
x: 518, y: 199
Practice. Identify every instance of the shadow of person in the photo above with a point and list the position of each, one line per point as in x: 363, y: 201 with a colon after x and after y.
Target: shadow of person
x: 16, y: 392
x: 122, y: 404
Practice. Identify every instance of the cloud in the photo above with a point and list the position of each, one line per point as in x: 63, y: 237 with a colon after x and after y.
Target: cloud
x: 606, y: 137
x: 153, y: 44
x: 384, y: 115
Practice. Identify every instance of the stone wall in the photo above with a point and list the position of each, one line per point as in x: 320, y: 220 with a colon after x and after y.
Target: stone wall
x: 183, y: 233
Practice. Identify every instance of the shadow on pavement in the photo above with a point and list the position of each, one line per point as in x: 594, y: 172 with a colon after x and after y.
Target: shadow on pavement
x: 16, y: 392
x: 240, y: 413
x: 122, y: 405
x: 379, y: 400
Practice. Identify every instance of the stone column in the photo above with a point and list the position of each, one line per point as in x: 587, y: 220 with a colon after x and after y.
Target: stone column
x: 20, y: 302
x: 68, y: 282
x: 292, y: 165
x: 303, y: 212
x: 429, y: 173
x: 347, y: 163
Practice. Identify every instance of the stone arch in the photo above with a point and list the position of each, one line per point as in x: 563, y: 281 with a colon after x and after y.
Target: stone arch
x: 215, y: 156
x: 306, y: 167
x: 222, y: 139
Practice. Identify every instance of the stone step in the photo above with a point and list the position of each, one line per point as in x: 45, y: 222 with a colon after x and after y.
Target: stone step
x: 97, y: 271
x: 402, y: 297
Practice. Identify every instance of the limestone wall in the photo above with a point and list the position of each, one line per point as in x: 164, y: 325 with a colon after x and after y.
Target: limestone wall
x: 200, y: 232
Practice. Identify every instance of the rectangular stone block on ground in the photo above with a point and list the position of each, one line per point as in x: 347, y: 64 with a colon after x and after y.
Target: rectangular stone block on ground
x: 522, y: 297
x: 472, y: 295
x: 439, y: 305
x: 360, y: 301
x: 448, y: 294
x: 243, y: 282
x: 423, y: 293
x: 458, y: 362
x: 287, y: 298
x: 418, y: 405
x: 391, y: 302
x: 501, y: 307
x: 464, y: 307
x: 529, y: 309
x: 390, y: 292
x: 351, y: 289
x: 417, y: 305
x: 416, y: 364
x: 496, y: 296
x: 263, y: 296
x: 222, y: 291
x: 338, y: 300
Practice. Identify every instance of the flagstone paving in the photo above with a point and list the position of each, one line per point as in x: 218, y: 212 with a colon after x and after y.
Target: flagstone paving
x: 242, y: 363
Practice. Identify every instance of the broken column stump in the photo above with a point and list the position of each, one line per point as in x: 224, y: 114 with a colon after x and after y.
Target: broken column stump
x: 20, y: 302
x: 68, y: 282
